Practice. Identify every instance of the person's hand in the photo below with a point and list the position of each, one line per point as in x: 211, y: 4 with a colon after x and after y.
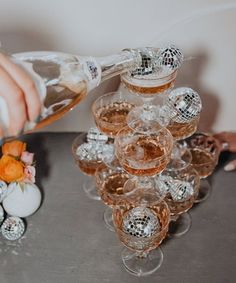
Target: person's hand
x: 228, y: 143
x: 20, y: 94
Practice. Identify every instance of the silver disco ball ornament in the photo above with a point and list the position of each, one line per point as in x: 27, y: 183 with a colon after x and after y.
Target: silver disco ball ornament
x: 3, y: 190
x: 170, y: 57
x: 164, y: 184
x: 185, y: 103
x: 94, y: 135
x: 93, y: 151
x: 181, y: 191
x: 141, y: 223
x: 149, y: 56
x: 13, y: 228
x: 88, y: 151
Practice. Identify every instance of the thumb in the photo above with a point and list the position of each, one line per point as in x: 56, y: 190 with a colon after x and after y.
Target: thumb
x: 230, y: 166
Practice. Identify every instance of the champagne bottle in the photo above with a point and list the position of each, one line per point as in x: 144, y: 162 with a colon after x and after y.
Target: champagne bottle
x: 63, y: 80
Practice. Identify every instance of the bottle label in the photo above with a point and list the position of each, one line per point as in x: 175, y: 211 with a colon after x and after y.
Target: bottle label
x: 92, y: 71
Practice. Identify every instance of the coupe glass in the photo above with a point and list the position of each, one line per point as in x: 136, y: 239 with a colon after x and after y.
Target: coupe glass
x: 141, y: 225
x: 144, y: 151
x: 111, y: 110
x: 88, y: 157
x: 184, y: 108
x: 180, y: 184
x: 148, y: 86
x: 110, y: 183
x: 205, y: 150
x: 110, y: 113
x: 149, y: 82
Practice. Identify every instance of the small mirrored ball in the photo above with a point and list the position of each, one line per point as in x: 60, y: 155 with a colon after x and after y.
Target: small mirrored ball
x: 13, y: 228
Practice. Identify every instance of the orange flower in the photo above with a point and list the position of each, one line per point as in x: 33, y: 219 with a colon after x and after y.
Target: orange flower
x: 14, y: 148
x: 11, y: 170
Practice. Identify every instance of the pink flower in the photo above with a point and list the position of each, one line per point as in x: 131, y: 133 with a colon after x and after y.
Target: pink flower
x: 29, y: 172
x: 27, y: 157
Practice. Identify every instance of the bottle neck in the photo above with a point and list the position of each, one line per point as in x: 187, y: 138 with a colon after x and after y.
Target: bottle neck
x: 119, y: 63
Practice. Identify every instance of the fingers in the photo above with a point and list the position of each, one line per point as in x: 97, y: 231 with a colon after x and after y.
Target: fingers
x: 14, y: 98
x: 222, y: 138
x: 26, y: 84
x: 227, y: 140
x: 230, y: 166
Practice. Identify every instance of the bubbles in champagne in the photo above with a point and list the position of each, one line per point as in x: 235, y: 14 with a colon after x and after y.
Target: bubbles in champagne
x: 141, y: 223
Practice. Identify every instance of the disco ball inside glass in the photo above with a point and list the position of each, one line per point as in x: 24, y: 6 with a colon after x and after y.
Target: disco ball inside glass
x: 141, y: 223
x: 181, y: 191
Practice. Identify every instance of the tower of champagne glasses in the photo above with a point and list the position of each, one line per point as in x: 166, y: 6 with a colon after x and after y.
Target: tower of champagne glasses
x: 145, y: 158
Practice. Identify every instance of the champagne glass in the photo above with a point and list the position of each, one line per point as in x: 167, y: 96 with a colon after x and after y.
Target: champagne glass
x: 110, y: 111
x: 205, y: 150
x: 183, y: 181
x: 184, y: 109
x: 180, y: 184
x: 144, y: 151
x: 141, y: 226
x: 110, y: 183
x: 88, y: 157
x: 148, y: 82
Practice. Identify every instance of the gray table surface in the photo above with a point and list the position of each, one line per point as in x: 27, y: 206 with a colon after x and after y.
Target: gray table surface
x: 66, y: 241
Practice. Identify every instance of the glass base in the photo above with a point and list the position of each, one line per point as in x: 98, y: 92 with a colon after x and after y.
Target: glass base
x: 204, y: 191
x: 108, y: 219
x: 142, y: 265
x: 90, y: 189
x: 180, y: 226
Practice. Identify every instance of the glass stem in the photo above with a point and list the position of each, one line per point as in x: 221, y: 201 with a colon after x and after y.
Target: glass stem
x: 176, y: 152
x: 142, y: 254
x: 145, y: 182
